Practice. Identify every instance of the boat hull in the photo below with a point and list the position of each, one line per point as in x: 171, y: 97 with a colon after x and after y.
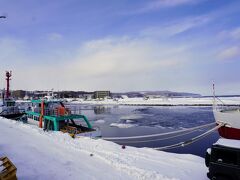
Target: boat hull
x: 231, y: 119
x: 13, y: 116
x: 229, y: 133
x: 94, y: 133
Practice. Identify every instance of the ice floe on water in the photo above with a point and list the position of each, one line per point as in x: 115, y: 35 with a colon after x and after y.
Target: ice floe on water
x: 100, y: 121
x: 130, y: 121
x: 123, y: 125
x: 131, y: 116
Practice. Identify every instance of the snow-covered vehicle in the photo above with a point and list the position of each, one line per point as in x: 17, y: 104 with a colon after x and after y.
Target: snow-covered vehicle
x: 223, y: 160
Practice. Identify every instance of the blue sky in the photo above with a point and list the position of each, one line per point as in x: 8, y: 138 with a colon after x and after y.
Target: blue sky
x: 177, y: 45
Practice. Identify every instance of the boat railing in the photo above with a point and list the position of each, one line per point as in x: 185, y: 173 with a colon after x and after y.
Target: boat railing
x: 47, y: 111
x: 54, y: 111
x: 73, y: 109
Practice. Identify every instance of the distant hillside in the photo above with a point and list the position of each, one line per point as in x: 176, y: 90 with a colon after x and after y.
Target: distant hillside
x: 76, y: 94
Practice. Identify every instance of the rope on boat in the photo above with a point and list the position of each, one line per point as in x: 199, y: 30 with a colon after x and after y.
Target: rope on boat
x: 160, y: 134
x: 158, y: 139
x: 188, y: 142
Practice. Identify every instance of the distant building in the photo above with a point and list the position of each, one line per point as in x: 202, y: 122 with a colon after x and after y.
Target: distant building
x: 87, y: 96
x: 18, y: 94
x: 101, y: 94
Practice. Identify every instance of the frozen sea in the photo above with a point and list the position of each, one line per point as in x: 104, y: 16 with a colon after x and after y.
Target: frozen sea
x: 124, y: 121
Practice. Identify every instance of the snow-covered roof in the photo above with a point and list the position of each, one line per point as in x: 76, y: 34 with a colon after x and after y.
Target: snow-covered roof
x: 228, y: 143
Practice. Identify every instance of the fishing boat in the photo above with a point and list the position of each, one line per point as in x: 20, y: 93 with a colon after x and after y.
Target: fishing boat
x: 229, y: 116
x: 8, y: 108
x: 52, y: 115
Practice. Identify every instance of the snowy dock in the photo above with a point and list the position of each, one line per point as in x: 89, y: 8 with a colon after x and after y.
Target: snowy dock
x: 54, y: 155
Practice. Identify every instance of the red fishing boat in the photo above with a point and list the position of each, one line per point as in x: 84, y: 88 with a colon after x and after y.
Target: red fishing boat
x: 229, y: 116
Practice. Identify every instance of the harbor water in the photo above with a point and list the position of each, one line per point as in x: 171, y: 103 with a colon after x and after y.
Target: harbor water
x: 125, y: 121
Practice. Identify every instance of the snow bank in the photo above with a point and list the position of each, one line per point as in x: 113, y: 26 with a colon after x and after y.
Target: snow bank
x: 54, y: 155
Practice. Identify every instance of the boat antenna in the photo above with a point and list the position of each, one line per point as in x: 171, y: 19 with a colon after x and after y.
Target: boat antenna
x: 214, y: 96
x: 213, y: 90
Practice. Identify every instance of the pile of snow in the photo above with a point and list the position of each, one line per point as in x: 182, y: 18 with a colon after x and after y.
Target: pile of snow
x: 228, y: 143
x: 54, y: 155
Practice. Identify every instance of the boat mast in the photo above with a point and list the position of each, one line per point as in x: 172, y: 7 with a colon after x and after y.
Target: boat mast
x: 8, y: 75
x: 42, y: 114
x: 214, y: 97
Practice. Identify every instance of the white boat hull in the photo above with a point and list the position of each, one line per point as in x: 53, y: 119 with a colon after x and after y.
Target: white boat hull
x: 231, y: 119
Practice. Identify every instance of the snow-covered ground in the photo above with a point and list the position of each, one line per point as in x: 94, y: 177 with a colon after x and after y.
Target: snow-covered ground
x: 54, y: 155
x: 162, y: 101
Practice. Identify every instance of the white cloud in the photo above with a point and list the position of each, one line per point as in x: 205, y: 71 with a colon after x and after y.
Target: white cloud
x: 117, y: 64
x: 54, y: 36
x: 11, y: 49
x: 167, y: 3
x: 159, y: 4
x: 125, y: 56
x: 235, y: 33
x: 177, y: 27
x: 229, y: 53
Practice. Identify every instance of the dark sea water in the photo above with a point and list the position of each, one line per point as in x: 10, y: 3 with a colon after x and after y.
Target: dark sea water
x: 124, y: 121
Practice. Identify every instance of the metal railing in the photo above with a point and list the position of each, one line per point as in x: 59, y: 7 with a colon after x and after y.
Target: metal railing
x: 219, y: 105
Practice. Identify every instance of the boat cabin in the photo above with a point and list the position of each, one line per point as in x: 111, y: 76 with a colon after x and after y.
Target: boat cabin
x: 223, y: 160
